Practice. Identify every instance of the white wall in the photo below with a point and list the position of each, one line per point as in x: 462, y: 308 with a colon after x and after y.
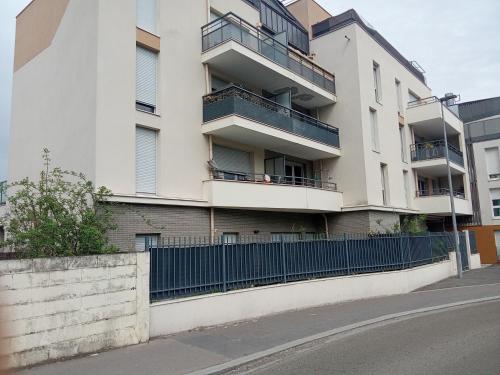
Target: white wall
x: 484, y: 184
x: 181, y: 315
x: 61, y: 307
x: 54, y: 99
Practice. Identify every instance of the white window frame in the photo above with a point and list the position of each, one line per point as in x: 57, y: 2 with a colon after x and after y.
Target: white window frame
x: 402, y: 139
x: 141, y: 103
x: 377, y: 82
x: 399, y: 95
x: 384, y: 177
x: 493, y: 171
x: 374, y: 130
x: 155, y: 162
x: 406, y: 181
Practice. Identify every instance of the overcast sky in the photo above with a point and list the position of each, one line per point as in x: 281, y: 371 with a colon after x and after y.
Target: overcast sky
x: 456, y: 42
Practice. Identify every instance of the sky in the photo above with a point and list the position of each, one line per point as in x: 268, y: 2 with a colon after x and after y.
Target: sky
x: 456, y: 42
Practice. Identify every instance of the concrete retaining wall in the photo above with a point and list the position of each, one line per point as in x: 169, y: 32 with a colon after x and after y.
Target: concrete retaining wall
x: 61, y: 307
x: 180, y: 315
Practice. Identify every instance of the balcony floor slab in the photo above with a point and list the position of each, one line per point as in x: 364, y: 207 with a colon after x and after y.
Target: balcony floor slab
x: 245, y: 131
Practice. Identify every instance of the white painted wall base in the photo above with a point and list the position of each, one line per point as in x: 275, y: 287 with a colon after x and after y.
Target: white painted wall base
x: 202, y: 311
x: 475, y: 261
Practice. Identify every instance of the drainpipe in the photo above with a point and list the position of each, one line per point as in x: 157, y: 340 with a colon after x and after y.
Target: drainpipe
x: 212, y: 225
x: 326, y: 226
x: 207, y: 2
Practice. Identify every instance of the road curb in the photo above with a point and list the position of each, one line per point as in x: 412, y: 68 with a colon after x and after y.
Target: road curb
x: 292, y: 344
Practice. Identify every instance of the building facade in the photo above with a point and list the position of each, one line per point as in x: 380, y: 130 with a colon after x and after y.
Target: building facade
x: 482, y: 132
x: 217, y: 118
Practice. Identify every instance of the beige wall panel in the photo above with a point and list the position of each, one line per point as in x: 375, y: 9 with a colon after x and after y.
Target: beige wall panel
x: 36, y: 26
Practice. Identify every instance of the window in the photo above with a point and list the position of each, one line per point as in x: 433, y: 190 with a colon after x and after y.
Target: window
x: 146, y: 79
x: 230, y: 238
x: 377, y: 82
x: 406, y: 180
x: 219, y: 83
x: 492, y: 162
x: 402, y: 139
x: 399, y: 96
x: 285, y: 237
x: 232, y: 164
x: 374, y: 130
x: 145, y: 160
x: 146, y: 15
x: 495, y: 202
x: 385, y: 190
x: 145, y: 241
x: 412, y: 97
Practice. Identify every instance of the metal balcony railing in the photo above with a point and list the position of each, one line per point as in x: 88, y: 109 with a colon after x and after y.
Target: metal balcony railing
x: 232, y: 27
x: 235, y: 100
x: 3, y: 192
x: 457, y: 193
x: 435, y: 150
x: 266, y: 179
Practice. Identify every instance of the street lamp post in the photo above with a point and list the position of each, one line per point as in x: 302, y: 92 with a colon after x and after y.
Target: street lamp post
x: 450, y: 186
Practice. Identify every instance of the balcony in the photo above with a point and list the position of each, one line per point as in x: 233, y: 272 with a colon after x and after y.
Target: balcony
x: 426, y: 118
x: 229, y: 189
x: 437, y: 202
x: 430, y: 157
x: 242, y: 116
x: 233, y: 46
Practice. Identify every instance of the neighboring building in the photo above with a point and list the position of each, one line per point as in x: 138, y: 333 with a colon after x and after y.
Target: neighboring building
x: 482, y: 132
x: 3, y: 200
x: 258, y: 124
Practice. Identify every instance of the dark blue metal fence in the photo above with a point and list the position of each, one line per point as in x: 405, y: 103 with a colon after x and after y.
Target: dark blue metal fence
x: 184, y: 267
x: 473, y: 242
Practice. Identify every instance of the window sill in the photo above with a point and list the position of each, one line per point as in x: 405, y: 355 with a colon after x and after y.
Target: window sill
x: 148, y: 113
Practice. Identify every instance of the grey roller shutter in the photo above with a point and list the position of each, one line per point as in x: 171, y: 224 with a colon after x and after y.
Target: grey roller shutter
x: 146, y: 15
x: 146, y: 66
x: 229, y: 159
x: 145, y: 160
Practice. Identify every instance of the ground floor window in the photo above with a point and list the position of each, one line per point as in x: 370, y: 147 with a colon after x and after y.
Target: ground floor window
x: 285, y: 237
x: 230, y: 238
x: 142, y: 241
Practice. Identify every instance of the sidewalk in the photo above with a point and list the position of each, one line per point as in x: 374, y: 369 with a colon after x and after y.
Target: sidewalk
x: 197, y: 350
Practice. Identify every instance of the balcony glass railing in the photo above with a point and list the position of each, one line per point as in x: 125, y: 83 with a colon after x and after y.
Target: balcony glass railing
x: 267, y: 179
x: 237, y: 101
x: 435, y: 150
x: 3, y: 192
x: 232, y: 27
x: 457, y: 193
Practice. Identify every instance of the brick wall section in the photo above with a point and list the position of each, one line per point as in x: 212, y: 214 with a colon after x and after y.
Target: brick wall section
x: 361, y: 221
x: 62, y: 307
x: 245, y: 222
x: 167, y: 221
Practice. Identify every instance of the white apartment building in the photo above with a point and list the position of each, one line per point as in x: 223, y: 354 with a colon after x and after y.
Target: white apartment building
x: 231, y: 117
x: 482, y: 133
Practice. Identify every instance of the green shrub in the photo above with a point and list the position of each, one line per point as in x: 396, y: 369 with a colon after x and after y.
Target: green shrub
x: 62, y: 214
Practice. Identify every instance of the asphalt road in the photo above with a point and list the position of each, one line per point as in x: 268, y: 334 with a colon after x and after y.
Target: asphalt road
x: 458, y: 341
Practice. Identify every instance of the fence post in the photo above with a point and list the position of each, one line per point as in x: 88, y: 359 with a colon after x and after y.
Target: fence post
x: 224, y: 271
x: 346, y: 248
x: 283, y: 259
x: 401, y: 250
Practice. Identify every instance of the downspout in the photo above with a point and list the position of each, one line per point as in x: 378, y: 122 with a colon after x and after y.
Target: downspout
x: 210, y: 144
x: 326, y: 226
